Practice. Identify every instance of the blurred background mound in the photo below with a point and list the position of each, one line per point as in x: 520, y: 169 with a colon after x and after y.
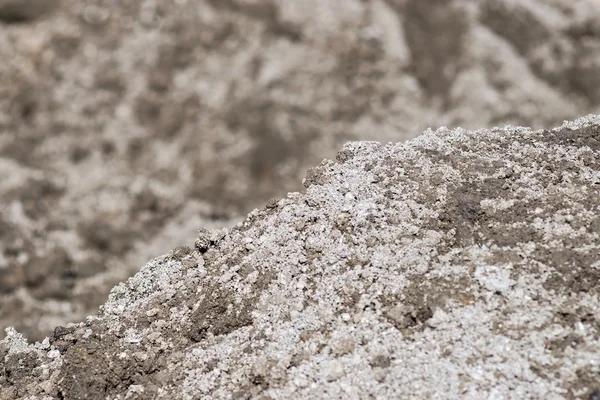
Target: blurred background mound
x: 127, y: 125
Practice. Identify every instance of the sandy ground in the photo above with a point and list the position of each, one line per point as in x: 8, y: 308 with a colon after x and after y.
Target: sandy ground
x: 127, y: 126
x: 458, y: 265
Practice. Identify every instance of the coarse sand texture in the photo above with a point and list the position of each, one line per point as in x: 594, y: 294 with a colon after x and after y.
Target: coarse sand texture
x: 460, y: 264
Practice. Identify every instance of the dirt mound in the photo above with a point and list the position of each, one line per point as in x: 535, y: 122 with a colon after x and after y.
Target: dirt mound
x: 126, y: 126
x: 461, y: 264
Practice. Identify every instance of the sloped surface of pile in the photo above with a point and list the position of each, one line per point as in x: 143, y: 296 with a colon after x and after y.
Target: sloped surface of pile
x: 460, y: 264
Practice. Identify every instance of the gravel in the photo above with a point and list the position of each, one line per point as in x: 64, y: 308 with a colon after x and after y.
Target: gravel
x: 460, y: 264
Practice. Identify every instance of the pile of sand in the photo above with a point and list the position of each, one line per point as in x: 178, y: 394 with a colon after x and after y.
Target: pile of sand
x: 461, y: 264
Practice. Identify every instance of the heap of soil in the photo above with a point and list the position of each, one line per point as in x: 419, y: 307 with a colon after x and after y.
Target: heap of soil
x: 460, y: 264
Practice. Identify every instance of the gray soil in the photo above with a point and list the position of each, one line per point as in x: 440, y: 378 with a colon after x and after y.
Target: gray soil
x: 126, y: 126
x: 460, y: 264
